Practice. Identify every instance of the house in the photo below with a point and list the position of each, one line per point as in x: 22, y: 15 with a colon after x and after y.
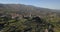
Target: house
x: 14, y: 15
x: 46, y: 30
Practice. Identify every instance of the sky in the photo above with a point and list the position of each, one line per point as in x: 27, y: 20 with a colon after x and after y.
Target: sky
x: 51, y: 4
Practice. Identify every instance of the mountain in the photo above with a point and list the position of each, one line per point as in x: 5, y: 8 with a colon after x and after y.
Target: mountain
x: 25, y: 9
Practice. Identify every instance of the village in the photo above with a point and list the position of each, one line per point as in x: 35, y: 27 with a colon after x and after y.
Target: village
x: 40, y: 26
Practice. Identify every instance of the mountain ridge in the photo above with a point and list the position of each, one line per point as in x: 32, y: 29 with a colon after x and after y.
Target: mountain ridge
x: 25, y: 9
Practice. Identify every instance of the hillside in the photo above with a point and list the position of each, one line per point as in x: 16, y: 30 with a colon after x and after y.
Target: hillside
x: 27, y: 18
x: 25, y: 9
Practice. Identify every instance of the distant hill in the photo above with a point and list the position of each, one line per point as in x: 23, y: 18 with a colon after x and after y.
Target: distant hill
x: 25, y: 9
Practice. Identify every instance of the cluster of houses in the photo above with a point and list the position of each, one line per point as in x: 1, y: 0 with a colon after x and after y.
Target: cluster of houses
x: 14, y: 15
x: 11, y: 15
